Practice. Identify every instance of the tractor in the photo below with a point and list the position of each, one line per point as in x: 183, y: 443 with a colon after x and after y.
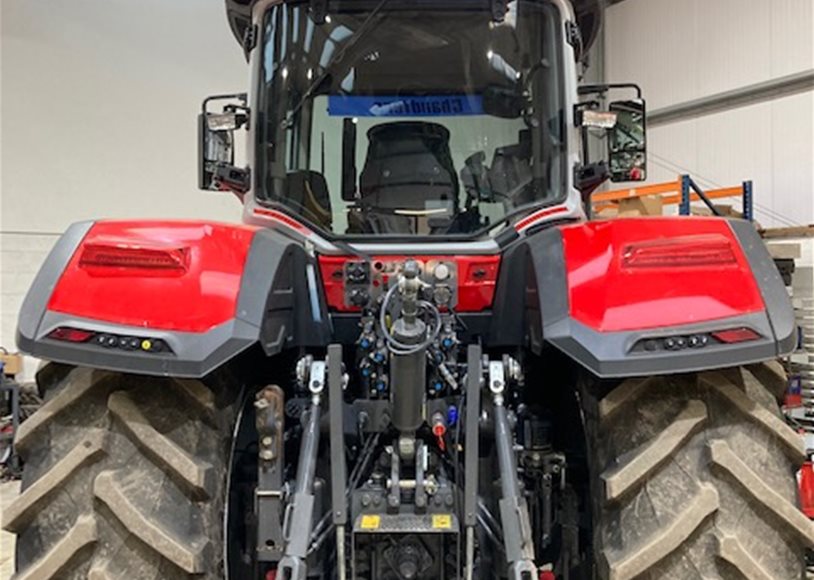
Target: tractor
x: 418, y: 357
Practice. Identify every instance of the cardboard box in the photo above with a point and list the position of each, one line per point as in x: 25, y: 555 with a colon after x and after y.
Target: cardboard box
x: 641, y: 206
x: 12, y: 363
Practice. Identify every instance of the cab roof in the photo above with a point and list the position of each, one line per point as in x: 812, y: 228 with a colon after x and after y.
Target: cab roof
x: 589, y: 18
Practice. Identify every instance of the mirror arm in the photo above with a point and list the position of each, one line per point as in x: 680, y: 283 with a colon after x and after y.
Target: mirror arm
x: 586, y: 150
x: 242, y: 97
x: 601, y: 89
x: 241, y: 119
x: 588, y: 177
x: 231, y: 178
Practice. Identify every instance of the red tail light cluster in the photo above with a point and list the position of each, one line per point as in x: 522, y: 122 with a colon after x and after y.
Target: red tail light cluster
x: 687, y: 252
x: 107, y: 340
x: 697, y: 340
x: 735, y: 335
x: 71, y: 334
x: 130, y: 257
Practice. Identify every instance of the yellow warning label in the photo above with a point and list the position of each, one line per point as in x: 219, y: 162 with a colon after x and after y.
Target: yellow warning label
x: 442, y: 522
x: 371, y: 522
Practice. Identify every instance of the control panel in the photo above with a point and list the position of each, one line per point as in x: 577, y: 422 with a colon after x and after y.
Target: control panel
x: 365, y: 282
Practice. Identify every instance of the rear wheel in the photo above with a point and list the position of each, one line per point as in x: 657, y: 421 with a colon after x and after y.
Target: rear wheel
x: 694, y: 477
x: 124, y: 478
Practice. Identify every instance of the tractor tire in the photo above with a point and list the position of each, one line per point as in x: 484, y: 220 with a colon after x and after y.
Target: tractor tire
x: 124, y: 477
x: 694, y: 477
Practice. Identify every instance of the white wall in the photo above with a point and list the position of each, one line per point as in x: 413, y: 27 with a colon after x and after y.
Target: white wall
x: 99, y: 105
x: 680, y: 50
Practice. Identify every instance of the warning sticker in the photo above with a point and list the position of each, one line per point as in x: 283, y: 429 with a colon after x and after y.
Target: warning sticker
x: 370, y: 522
x: 442, y: 522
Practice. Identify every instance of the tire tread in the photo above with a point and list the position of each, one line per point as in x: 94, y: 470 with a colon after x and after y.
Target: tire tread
x: 124, y: 477
x: 695, y: 478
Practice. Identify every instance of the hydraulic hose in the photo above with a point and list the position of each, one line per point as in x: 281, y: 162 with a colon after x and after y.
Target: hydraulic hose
x: 401, y: 348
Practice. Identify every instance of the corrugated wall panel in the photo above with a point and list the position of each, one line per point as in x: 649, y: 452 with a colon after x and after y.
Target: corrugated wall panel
x: 681, y: 50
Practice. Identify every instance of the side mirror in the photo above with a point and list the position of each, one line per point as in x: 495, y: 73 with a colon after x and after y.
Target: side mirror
x: 627, y: 141
x: 216, y: 152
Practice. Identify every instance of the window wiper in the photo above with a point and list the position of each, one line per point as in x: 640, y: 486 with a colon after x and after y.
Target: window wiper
x: 360, y: 33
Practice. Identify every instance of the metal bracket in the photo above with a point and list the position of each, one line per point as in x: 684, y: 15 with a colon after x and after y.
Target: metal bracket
x: 420, y: 496
x: 573, y: 35
x: 316, y: 380
x: 554, y: 466
x: 337, y: 435
x: 498, y: 10
x: 394, y: 494
x: 497, y: 377
x: 249, y: 39
x: 270, y: 424
x: 339, y: 477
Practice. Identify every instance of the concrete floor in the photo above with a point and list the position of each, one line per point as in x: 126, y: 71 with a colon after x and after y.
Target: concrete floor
x: 8, y: 491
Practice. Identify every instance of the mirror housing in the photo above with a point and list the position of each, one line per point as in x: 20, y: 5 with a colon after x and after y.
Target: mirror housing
x: 216, y: 151
x: 627, y: 141
x: 624, y: 127
x: 226, y: 121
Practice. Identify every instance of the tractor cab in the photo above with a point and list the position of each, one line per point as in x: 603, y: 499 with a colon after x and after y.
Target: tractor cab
x: 393, y: 118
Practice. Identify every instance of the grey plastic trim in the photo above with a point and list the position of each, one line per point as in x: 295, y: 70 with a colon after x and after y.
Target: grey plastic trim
x: 36, y: 300
x: 548, y: 257
x: 607, y: 354
x: 774, y: 293
x: 194, y: 354
x: 266, y: 251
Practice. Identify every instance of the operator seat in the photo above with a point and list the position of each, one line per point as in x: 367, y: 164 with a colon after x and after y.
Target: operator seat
x: 408, y: 183
x: 510, y: 172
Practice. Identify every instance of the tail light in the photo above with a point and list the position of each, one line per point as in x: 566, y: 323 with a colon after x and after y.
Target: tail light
x: 681, y: 252
x: 477, y: 282
x: 735, y: 335
x: 71, y: 334
x: 103, y: 255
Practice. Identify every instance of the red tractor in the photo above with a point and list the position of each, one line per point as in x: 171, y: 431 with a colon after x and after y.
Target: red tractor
x: 417, y: 358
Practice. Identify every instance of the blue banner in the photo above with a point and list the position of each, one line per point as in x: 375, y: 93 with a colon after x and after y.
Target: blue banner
x: 401, y: 106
